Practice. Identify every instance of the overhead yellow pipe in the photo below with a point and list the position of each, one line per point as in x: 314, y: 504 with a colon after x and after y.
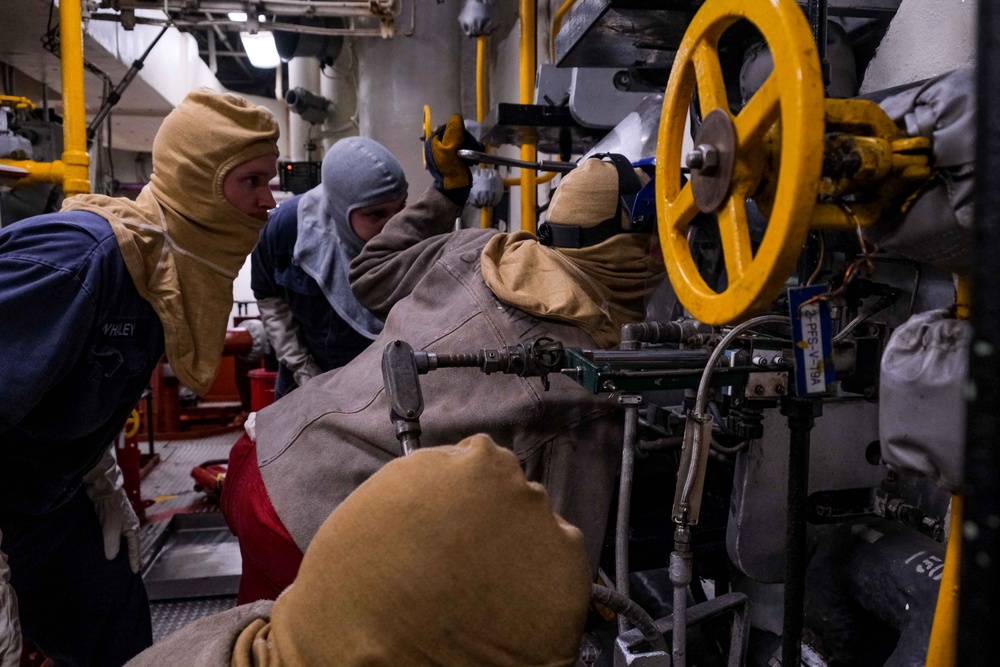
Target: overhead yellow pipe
x: 76, y: 169
x: 529, y: 195
x: 73, y: 171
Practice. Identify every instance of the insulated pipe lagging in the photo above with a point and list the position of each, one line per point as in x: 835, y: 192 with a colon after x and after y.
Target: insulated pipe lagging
x: 875, y: 567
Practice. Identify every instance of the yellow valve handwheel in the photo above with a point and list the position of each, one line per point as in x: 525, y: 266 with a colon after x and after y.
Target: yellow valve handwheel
x: 728, y: 159
x: 132, y: 424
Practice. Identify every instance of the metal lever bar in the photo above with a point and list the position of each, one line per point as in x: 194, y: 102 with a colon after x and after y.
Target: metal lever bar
x: 540, y: 165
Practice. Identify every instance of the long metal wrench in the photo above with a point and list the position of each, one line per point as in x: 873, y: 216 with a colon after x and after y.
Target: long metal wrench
x: 541, y: 165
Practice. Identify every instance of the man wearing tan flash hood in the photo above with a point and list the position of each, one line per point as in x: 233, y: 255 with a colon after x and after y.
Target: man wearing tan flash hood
x: 91, y: 298
x: 445, y: 557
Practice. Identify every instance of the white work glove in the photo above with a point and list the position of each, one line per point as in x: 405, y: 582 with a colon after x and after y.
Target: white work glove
x: 103, y: 486
x: 487, y: 187
x: 283, y: 332
x: 479, y: 17
x: 10, y: 626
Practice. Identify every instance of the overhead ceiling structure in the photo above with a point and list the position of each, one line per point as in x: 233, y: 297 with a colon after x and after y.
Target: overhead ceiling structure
x: 223, y: 28
x: 201, y: 45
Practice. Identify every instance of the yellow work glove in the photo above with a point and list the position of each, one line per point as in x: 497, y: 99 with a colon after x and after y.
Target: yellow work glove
x: 452, y: 176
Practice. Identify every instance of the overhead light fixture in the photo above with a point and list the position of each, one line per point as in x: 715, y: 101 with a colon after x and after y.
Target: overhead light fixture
x: 240, y: 17
x: 260, y: 48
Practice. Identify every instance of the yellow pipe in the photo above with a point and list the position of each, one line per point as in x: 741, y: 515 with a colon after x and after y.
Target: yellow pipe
x: 529, y: 196
x: 17, y: 102
x: 485, y: 213
x: 944, y: 632
x: 963, y: 297
x: 482, y: 102
x: 556, y: 25
x: 38, y: 172
x: 546, y: 178
x: 515, y: 181
x: 76, y: 169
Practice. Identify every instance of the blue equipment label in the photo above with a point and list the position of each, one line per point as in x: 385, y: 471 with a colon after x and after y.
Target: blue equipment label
x: 812, y: 334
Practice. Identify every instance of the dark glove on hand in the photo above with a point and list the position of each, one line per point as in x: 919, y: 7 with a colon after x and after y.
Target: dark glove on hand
x: 452, y: 176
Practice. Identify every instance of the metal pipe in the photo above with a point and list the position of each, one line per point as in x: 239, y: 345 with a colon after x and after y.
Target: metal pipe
x: 801, y: 413
x: 650, y: 358
x: 661, y: 332
x: 276, y: 26
x: 979, y: 615
x: 625, y: 607
x: 287, y: 7
x: 116, y: 94
x: 710, y: 609
x: 631, y: 402
x: 76, y: 162
x: 681, y: 572
x: 680, y: 557
x: 529, y: 195
x: 701, y: 399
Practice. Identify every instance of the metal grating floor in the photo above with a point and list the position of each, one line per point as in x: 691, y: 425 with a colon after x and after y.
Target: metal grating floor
x: 170, y: 486
x: 171, y: 616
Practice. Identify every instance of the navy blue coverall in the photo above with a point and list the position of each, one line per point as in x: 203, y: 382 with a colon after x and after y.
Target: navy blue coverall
x: 77, y: 347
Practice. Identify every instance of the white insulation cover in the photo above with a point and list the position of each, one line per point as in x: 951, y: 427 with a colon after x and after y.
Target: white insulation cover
x: 922, y: 400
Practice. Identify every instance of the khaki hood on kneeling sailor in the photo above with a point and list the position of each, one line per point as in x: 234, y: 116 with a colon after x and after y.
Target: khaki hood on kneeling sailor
x: 448, y: 556
x: 182, y: 241
x: 597, y: 288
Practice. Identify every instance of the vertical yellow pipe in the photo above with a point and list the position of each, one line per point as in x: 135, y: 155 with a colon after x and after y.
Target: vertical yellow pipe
x: 529, y: 194
x: 963, y: 297
x: 485, y: 213
x: 482, y: 103
x: 76, y: 178
x: 944, y: 632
